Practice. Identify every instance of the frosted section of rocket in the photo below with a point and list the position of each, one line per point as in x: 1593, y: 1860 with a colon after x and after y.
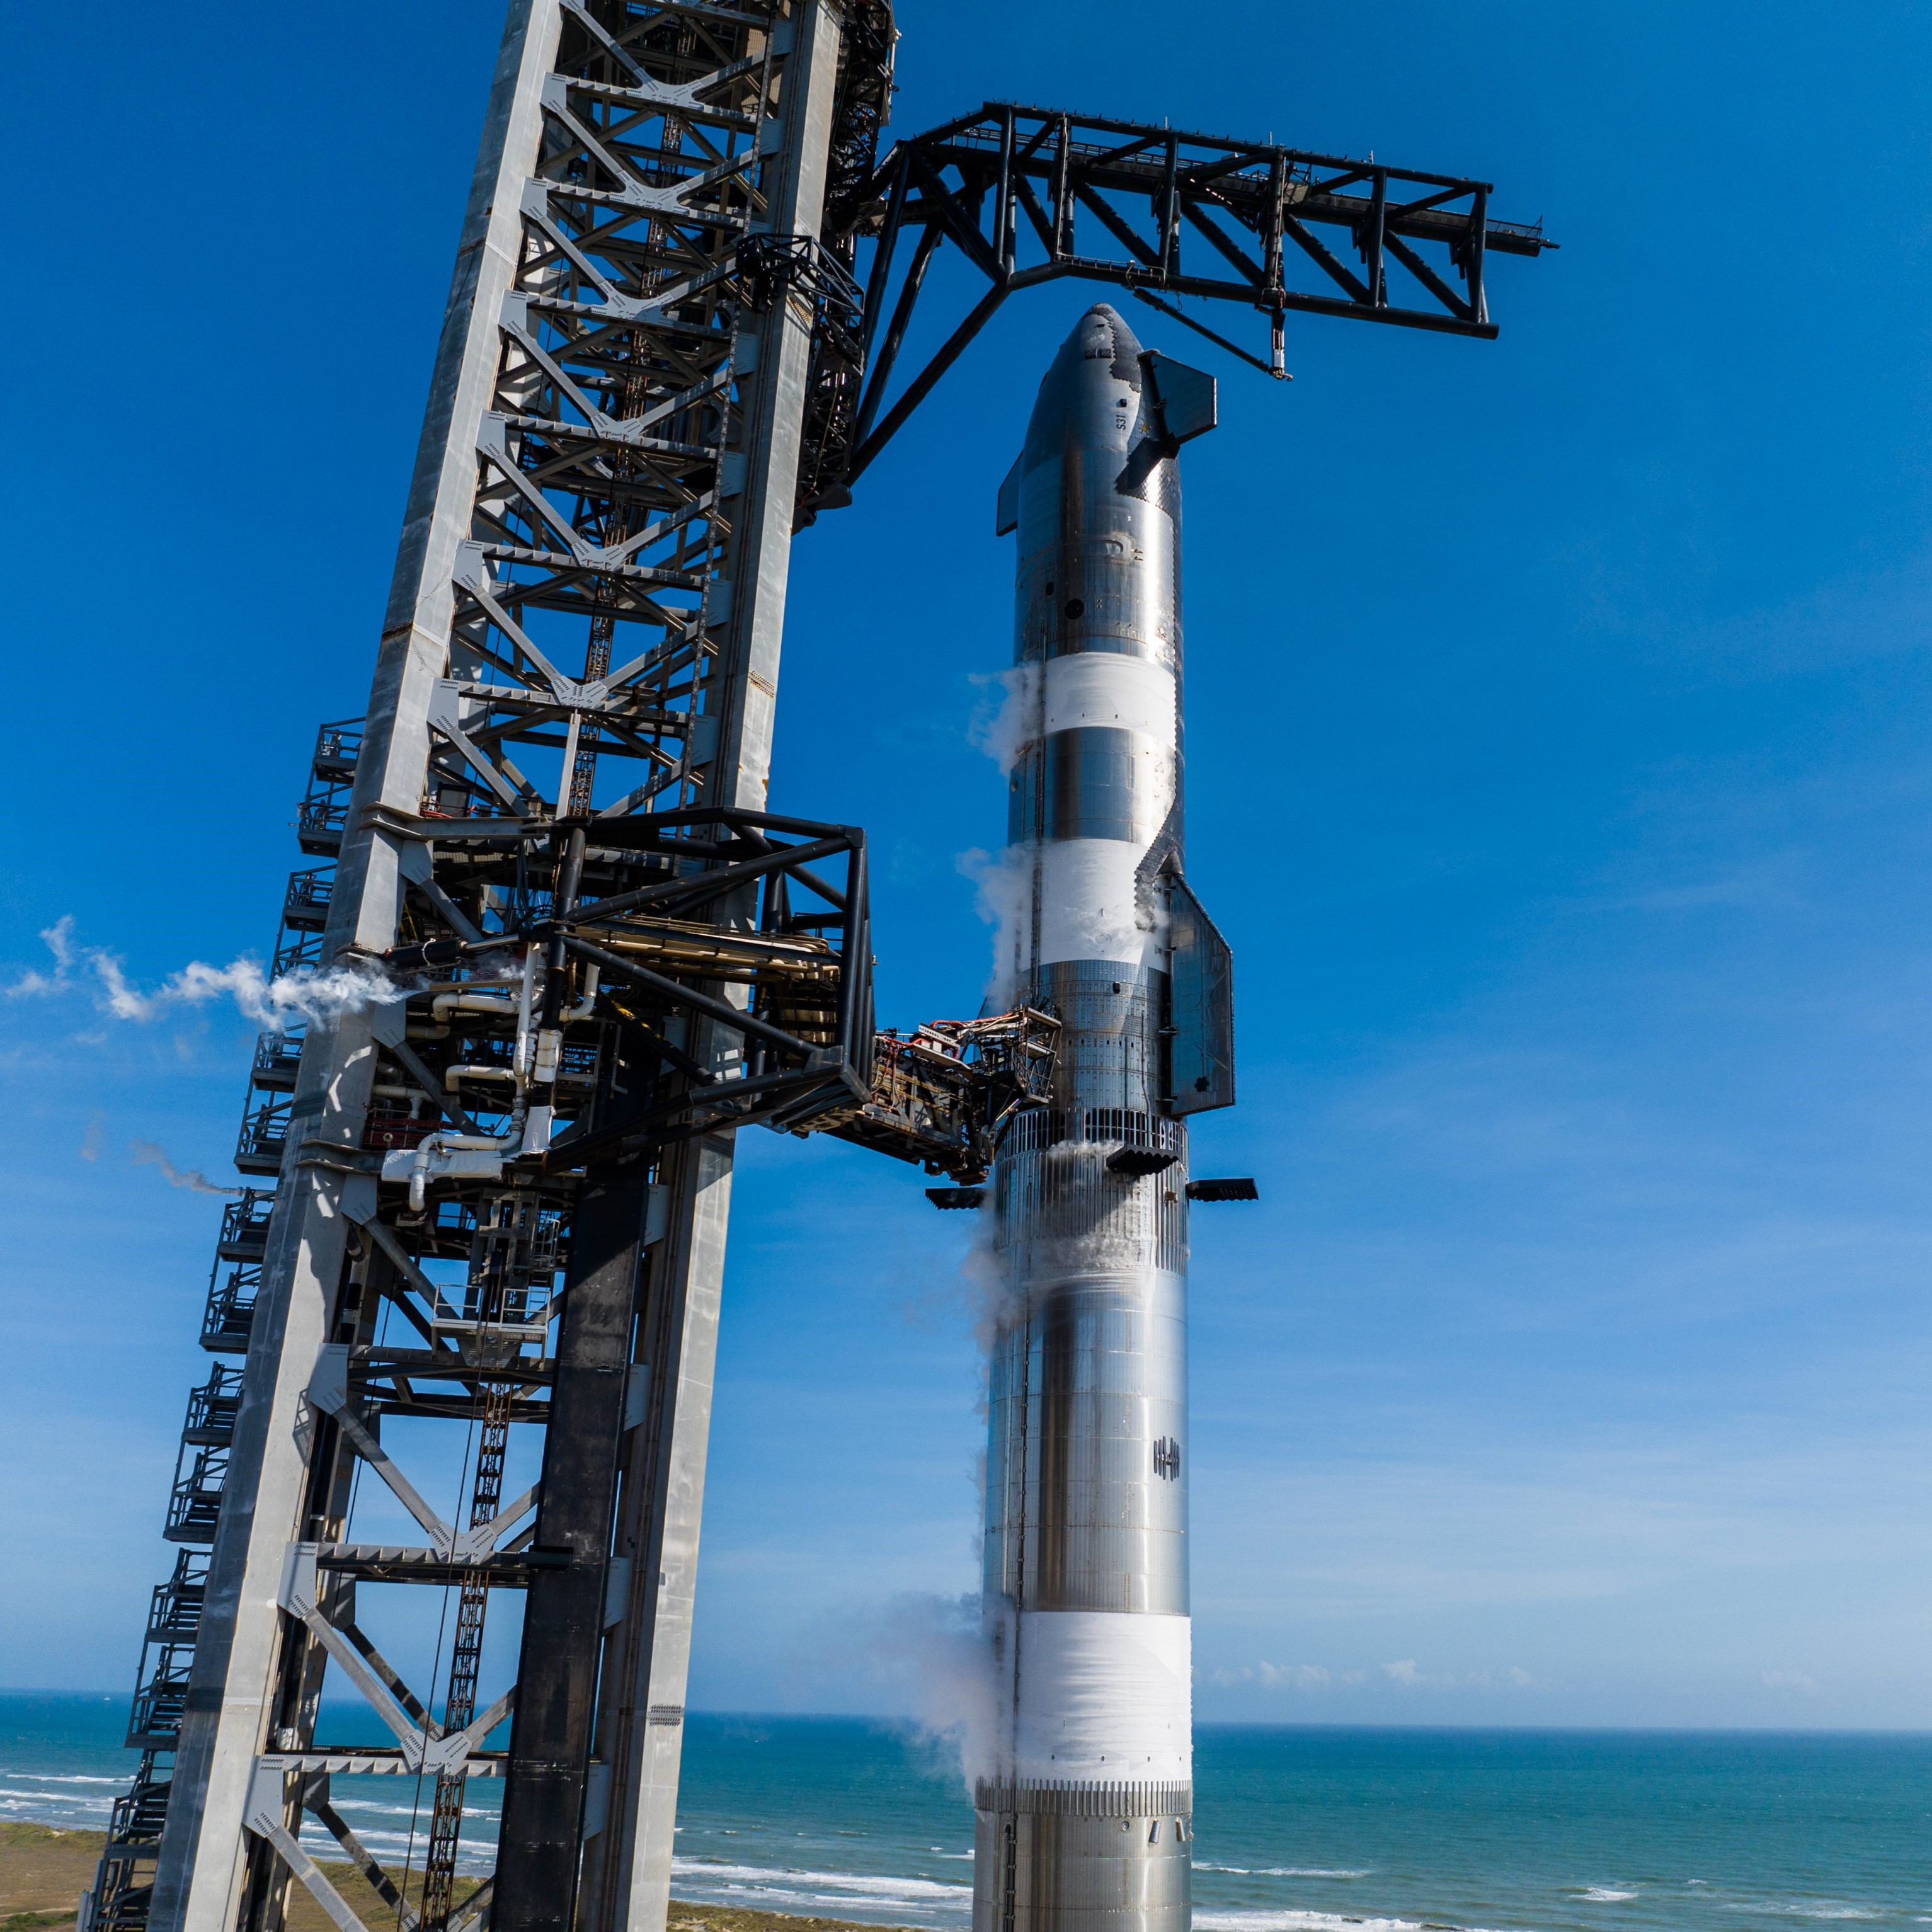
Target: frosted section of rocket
x: 1084, y: 1816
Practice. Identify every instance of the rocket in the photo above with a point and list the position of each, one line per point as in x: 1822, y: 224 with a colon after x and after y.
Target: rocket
x: 1084, y: 1811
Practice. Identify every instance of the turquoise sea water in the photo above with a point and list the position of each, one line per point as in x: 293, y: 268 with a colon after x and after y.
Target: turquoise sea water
x: 1298, y: 1830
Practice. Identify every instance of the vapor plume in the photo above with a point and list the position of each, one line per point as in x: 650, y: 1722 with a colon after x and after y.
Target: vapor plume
x: 933, y: 1653
x: 308, y: 993
x: 1003, y: 895
x: 1002, y: 728
x: 146, y: 1153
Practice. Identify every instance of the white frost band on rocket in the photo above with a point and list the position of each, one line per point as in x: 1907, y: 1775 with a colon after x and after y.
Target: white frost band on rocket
x: 1089, y: 906
x: 1107, y: 1697
x: 1104, y: 688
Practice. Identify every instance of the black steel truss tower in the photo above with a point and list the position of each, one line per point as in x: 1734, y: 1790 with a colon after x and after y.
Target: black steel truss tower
x: 490, y: 1191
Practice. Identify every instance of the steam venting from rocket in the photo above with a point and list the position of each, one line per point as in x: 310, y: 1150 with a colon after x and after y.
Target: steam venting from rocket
x: 1002, y: 729
x: 1003, y: 897
x: 931, y: 1653
x: 1002, y: 880
x: 307, y: 994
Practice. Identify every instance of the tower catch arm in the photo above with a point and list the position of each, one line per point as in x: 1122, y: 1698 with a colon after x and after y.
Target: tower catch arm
x: 1030, y: 194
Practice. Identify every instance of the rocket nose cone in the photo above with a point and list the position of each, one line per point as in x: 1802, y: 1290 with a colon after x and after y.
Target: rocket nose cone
x: 1098, y: 360
x: 1102, y: 335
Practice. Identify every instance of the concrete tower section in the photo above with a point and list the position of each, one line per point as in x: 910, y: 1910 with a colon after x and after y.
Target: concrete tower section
x: 1085, y: 1818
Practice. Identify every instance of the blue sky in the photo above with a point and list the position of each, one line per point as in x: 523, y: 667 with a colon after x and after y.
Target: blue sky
x: 1557, y: 767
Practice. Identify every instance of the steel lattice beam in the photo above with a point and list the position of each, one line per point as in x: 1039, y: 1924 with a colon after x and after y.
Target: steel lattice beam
x: 583, y: 631
x: 1031, y: 195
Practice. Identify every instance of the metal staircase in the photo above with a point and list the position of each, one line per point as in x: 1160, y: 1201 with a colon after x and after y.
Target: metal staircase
x: 119, y: 1898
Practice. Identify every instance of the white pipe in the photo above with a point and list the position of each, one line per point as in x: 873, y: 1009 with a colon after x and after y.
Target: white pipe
x: 512, y: 1137
x: 432, y: 1145
x: 522, y: 1060
x: 444, y: 1004
x: 586, y: 1004
x: 550, y: 1039
x: 529, y: 1128
x: 414, y: 1095
x: 549, y: 1050
x: 453, y: 1077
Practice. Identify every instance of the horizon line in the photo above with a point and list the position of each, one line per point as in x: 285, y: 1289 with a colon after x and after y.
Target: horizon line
x: 898, y: 1722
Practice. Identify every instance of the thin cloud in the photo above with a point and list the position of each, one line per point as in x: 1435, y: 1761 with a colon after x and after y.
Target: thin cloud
x: 146, y: 1154
x: 1403, y: 1673
x: 1287, y: 1676
x: 1302, y: 1676
x: 32, y: 985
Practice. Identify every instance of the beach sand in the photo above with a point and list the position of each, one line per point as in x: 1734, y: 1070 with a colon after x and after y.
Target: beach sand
x: 43, y: 1871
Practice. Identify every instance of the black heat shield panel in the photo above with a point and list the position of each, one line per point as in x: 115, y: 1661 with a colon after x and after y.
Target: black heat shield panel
x: 1200, y: 1016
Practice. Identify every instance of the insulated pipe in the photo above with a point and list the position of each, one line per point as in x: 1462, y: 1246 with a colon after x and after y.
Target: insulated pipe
x: 521, y: 1060
x: 480, y: 1072
x: 432, y: 1145
x: 1084, y: 1812
x: 444, y: 1004
x: 529, y: 1130
x: 586, y: 1001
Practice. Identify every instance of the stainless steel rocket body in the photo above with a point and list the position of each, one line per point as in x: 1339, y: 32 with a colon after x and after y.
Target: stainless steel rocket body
x: 1084, y: 1819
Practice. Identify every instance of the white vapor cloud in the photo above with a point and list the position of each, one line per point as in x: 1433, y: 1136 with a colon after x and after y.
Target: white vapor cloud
x: 1003, y: 893
x: 1001, y: 730
x: 1003, y: 882
x: 304, y: 995
x: 146, y: 1153
x: 307, y: 994
x: 933, y: 1655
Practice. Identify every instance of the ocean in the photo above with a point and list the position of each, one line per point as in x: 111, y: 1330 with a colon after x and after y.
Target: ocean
x: 1298, y: 1829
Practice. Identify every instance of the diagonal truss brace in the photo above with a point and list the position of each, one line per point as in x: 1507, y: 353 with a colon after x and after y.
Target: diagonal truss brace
x: 266, y: 1808
x: 1029, y: 195
x: 329, y: 1392
x: 426, y: 1747
x: 266, y: 1814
